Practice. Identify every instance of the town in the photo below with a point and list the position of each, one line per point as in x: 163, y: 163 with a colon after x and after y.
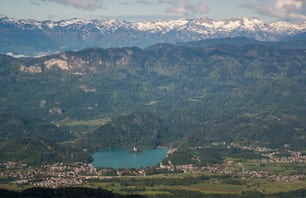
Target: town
x: 76, y: 174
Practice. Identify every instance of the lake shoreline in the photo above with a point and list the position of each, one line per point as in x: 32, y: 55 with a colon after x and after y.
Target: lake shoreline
x: 124, y: 158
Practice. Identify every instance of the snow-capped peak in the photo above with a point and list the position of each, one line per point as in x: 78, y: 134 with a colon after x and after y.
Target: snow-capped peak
x: 110, y: 32
x: 200, y: 25
x: 119, y: 33
x: 73, y: 21
x: 160, y: 26
x: 282, y: 26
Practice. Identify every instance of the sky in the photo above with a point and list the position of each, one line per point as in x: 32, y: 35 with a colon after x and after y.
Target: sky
x: 150, y: 10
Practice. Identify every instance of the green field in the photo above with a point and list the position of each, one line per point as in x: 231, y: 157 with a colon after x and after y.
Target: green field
x: 161, y: 185
x: 77, y: 123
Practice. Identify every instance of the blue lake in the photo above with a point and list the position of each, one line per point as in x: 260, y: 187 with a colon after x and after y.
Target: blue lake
x: 123, y: 158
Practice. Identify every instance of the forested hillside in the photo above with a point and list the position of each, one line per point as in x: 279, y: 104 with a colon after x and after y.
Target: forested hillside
x: 251, y: 92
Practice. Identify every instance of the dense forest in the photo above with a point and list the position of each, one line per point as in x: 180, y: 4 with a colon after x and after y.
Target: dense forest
x: 164, y: 95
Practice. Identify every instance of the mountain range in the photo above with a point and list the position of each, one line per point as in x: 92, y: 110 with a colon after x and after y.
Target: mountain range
x: 112, y: 83
x: 239, y: 90
x: 31, y: 37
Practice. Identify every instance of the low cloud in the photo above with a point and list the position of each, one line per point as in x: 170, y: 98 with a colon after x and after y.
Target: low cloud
x: 178, y: 7
x: 187, y: 7
x: 80, y: 4
x: 144, y: 2
x: 288, y: 10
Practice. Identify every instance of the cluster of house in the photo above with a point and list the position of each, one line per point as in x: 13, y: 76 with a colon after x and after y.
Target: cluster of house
x: 268, y: 175
x: 12, y: 165
x: 55, y: 182
x: 63, y: 174
x: 234, y: 168
x: 295, y: 157
x: 170, y: 167
x: 58, y: 174
x: 52, y: 176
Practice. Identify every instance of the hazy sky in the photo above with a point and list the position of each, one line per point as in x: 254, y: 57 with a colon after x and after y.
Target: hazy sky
x: 288, y: 10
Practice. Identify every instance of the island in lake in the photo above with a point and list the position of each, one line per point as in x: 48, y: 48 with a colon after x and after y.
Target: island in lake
x: 135, y: 150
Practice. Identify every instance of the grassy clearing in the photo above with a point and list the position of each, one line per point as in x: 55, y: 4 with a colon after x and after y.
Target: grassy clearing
x: 154, y: 193
x: 88, y: 123
x: 118, y: 188
x: 13, y: 187
x: 283, y: 169
x: 217, y: 188
x: 213, y: 186
x: 207, y: 188
x: 280, y: 186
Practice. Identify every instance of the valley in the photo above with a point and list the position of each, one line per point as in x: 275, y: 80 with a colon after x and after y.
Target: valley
x: 235, y: 176
x: 232, y: 115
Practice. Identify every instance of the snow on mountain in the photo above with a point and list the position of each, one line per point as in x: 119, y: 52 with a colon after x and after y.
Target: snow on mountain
x: 74, y: 21
x: 202, y: 25
x: 285, y: 27
x: 160, y: 26
x: 81, y: 33
x: 50, y: 24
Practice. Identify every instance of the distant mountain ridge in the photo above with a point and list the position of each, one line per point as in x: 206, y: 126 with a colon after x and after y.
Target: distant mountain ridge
x: 31, y: 37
